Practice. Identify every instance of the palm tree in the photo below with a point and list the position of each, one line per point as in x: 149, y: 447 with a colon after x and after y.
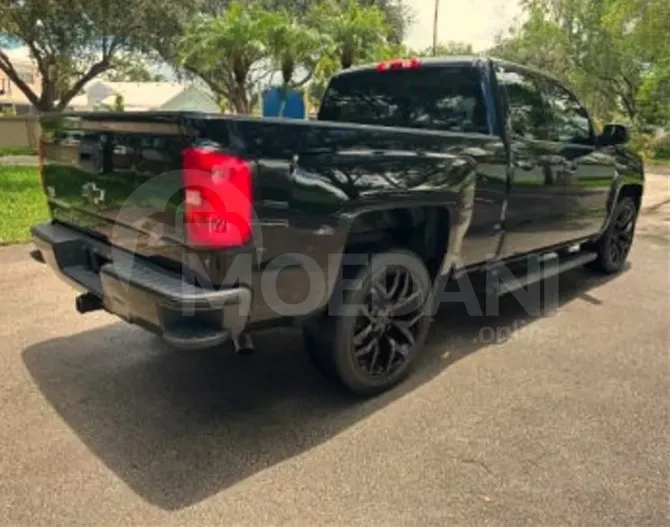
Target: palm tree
x: 223, y: 50
x: 355, y: 30
x: 294, y: 45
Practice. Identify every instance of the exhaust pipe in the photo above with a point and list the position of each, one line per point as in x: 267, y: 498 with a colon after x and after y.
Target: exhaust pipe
x: 88, y: 302
x: 244, y: 344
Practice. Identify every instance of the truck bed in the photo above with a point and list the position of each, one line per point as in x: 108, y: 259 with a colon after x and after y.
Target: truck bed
x: 122, y: 182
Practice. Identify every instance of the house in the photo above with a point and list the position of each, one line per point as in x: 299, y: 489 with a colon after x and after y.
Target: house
x: 145, y: 96
x: 11, y: 97
x: 101, y: 94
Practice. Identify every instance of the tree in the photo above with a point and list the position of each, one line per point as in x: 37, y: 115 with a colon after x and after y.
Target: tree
x: 653, y: 97
x: 292, y: 44
x: 367, y: 31
x: 224, y: 51
x: 444, y: 49
x: 614, y: 52
x: 398, y: 17
x: 74, y: 41
x: 397, y: 14
x: 132, y: 68
x: 117, y: 106
x: 356, y: 31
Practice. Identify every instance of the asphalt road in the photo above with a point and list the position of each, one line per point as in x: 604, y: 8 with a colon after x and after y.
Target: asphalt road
x: 564, y: 420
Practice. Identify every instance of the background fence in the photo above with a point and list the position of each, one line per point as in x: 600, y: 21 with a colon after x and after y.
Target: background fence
x: 19, y: 132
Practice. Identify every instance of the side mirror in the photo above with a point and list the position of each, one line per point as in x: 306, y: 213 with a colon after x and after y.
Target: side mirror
x: 614, y: 134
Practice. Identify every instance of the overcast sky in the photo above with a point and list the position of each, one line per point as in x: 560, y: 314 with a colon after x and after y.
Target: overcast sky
x: 473, y: 21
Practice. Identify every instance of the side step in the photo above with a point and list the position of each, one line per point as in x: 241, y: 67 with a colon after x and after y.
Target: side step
x: 546, y: 266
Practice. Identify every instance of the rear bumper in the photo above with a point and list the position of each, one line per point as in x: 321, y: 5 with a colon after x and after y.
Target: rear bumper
x: 185, y: 315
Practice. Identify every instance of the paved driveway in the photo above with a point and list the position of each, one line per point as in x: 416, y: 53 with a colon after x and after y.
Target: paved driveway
x: 563, y: 422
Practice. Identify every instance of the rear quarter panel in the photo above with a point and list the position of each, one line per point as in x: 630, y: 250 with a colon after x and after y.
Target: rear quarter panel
x: 316, y: 181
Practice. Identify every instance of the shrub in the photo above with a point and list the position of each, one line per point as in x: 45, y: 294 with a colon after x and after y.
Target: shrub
x: 641, y: 143
x: 660, y: 147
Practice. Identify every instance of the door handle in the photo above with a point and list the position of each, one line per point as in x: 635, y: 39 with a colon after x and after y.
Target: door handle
x: 525, y: 164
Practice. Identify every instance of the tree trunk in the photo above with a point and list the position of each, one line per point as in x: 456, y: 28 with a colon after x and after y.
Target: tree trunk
x: 347, y: 57
x: 239, y: 100
x: 287, y: 70
x: 47, y: 100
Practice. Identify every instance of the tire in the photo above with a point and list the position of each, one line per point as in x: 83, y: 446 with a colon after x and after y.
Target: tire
x: 369, y: 340
x: 316, y: 347
x: 614, y: 245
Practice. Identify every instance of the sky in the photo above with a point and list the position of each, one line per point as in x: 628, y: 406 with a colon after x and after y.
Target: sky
x: 473, y: 21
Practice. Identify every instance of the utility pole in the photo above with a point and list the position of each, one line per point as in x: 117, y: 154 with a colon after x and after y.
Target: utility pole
x: 437, y: 11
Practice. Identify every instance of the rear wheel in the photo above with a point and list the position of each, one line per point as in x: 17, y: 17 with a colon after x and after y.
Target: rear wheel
x: 370, y: 339
x: 615, y: 244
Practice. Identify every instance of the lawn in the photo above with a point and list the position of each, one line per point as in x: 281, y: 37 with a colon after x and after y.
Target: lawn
x: 21, y: 203
x: 18, y: 151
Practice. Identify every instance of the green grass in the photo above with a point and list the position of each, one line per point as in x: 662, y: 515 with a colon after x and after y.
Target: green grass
x: 18, y: 151
x: 22, y: 203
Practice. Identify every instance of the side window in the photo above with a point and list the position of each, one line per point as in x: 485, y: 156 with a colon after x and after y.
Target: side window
x: 568, y: 120
x: 524, y: 103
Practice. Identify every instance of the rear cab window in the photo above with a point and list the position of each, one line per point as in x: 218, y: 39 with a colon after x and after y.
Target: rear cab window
x: 445, y: 98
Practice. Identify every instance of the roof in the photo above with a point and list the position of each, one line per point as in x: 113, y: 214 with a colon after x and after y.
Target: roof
x: 425, y: 61
x: 456, y: 60
x: 22, y: 61
x: 80, y: 101
x: 192, y: 98
x: 20, y: 55
x: 144, y: 94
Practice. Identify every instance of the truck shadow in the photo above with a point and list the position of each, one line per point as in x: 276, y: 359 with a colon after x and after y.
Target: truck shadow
x: 180, y: 427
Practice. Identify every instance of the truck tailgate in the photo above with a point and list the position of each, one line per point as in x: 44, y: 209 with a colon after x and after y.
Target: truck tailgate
x: 118, y: 177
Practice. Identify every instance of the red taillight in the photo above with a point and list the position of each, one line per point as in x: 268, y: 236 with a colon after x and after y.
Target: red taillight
x: 399, y: 64
x: 217, y: 199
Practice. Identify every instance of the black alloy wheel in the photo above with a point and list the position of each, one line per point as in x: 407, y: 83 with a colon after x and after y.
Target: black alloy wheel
x: 369, y: 340
x: 615, y: 244
x: 387, y: 326
x: 622, y: 233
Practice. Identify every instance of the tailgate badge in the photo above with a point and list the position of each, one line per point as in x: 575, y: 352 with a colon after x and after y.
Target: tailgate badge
x: 92, y: 193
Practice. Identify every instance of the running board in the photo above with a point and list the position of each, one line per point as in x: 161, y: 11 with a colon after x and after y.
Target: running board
x: 548, y: 266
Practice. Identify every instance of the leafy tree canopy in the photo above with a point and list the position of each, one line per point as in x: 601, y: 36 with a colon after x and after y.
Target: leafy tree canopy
x: 616, y: 53
x: 74, y: 41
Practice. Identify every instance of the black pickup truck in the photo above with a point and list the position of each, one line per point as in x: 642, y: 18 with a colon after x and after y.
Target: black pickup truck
x: 203, y: 228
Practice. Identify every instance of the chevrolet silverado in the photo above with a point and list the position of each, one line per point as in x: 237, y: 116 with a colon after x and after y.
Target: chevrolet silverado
x: 203, y: 228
